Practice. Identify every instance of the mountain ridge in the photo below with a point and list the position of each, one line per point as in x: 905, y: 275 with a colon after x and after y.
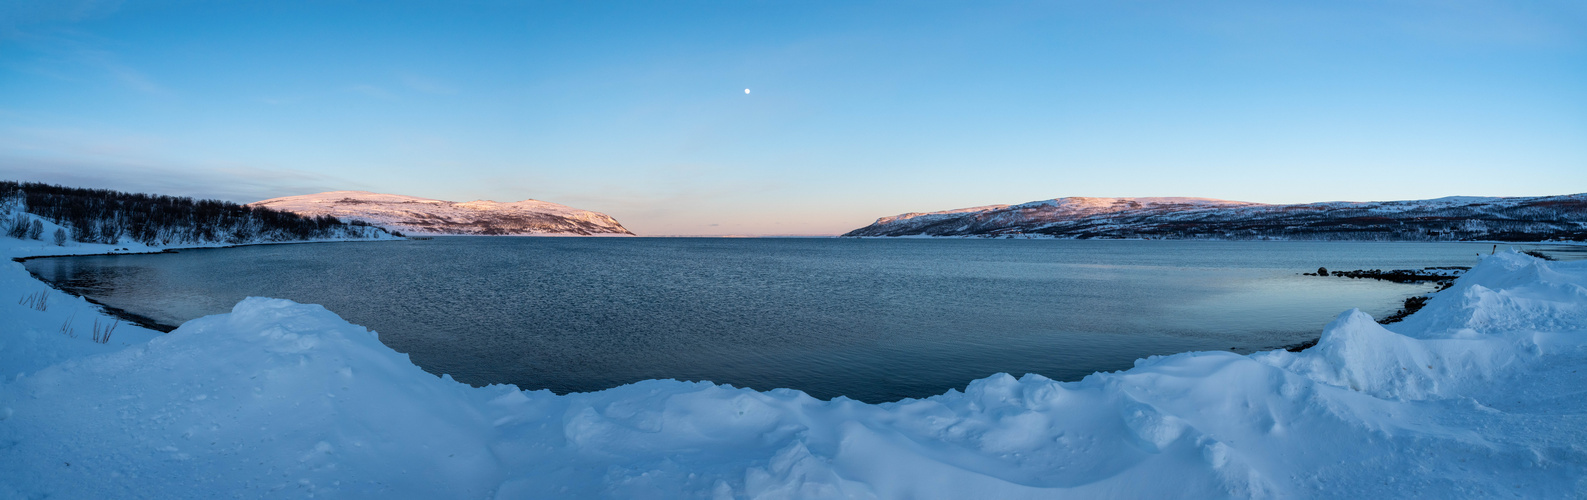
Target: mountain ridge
x: 1451, y: 218
x: 427, y: 216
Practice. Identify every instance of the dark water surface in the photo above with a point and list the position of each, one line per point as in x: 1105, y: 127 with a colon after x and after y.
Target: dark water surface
x: 874, y: 320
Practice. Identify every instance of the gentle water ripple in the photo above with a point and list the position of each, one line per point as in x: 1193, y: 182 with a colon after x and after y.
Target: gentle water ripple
x: 875, y: 320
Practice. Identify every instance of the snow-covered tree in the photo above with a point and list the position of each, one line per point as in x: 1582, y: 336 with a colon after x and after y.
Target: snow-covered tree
x: 105, y: 216
x: 18, y: 226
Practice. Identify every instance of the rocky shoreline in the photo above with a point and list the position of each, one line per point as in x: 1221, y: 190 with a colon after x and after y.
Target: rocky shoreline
x: 138, y: 319
x: 1444, y: 276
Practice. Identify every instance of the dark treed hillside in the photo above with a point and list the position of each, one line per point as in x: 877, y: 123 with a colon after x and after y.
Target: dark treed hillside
x: 106, y: 216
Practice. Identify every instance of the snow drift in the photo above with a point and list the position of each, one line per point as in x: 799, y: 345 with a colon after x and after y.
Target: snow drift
x: 1477, y: 395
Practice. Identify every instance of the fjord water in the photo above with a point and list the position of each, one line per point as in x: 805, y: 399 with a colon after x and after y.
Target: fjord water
x: 874, y: 320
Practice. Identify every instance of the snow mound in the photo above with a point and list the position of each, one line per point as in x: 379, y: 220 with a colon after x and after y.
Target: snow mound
x: 1477, y: 395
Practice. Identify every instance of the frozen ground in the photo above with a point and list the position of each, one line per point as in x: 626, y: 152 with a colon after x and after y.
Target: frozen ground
x: 1479, y: 395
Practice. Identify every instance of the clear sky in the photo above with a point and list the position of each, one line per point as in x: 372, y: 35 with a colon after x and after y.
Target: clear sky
x: 857, y: 109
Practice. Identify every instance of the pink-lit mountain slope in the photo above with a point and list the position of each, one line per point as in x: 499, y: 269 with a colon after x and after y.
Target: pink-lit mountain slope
x: 1444, y: 219
x: 413, y: 215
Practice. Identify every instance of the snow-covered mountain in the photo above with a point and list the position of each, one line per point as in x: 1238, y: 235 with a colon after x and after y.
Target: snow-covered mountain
x: 1443, y: 219
x: 414, y: 215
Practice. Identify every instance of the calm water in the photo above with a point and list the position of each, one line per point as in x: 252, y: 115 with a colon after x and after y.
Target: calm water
x: 874, y: 320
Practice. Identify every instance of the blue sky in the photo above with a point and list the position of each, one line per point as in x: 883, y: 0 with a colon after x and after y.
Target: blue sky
x: 857, y: 110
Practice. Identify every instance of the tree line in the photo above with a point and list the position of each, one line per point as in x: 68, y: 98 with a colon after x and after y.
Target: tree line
x: 108, y: 216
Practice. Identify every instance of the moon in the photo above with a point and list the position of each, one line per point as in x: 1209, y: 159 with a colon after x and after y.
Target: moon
x: 746, y: 91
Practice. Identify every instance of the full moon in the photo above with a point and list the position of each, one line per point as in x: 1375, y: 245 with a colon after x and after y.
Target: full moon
x: 746, y: 91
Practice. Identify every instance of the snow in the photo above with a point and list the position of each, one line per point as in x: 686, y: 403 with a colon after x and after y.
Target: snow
x: 1075, y: 204
x: 1080, y: 203
x: 1546, y: 217
x: 1480, y: 394
x: 33, y: 338
x: 414, y: 215
x: 936, y: 215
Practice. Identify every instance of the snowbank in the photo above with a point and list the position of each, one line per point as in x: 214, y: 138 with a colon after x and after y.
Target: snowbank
x: 1477, y: 395
x: 31, y: 338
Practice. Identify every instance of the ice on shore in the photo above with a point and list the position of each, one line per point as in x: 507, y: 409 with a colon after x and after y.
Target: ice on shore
x: 1481, y: 394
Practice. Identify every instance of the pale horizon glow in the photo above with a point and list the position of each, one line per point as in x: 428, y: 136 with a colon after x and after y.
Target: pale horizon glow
x: 860, y: 109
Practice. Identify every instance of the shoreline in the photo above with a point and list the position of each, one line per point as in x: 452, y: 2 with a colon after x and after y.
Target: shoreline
x: 145, y: 321
x: 124, y: 416
x: 1035, y: 237
x: 152, y: 250
x: 1409, y: 306
x: 114, y: 312
x: 317, y: 382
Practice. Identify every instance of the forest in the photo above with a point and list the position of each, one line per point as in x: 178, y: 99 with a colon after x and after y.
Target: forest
x: 110, y: 217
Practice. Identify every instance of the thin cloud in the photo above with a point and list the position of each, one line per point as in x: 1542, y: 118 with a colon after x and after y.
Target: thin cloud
x: 134, y: 79
x: 71, y: 55
x: 427, y: 85
x: 48, y: 141
x: 138, y: 162
x: 14, y: 13
x: 239, y: 184
x: 372, y: 91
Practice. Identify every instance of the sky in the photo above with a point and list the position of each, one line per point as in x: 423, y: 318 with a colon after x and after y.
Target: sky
x: 856, y: 109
